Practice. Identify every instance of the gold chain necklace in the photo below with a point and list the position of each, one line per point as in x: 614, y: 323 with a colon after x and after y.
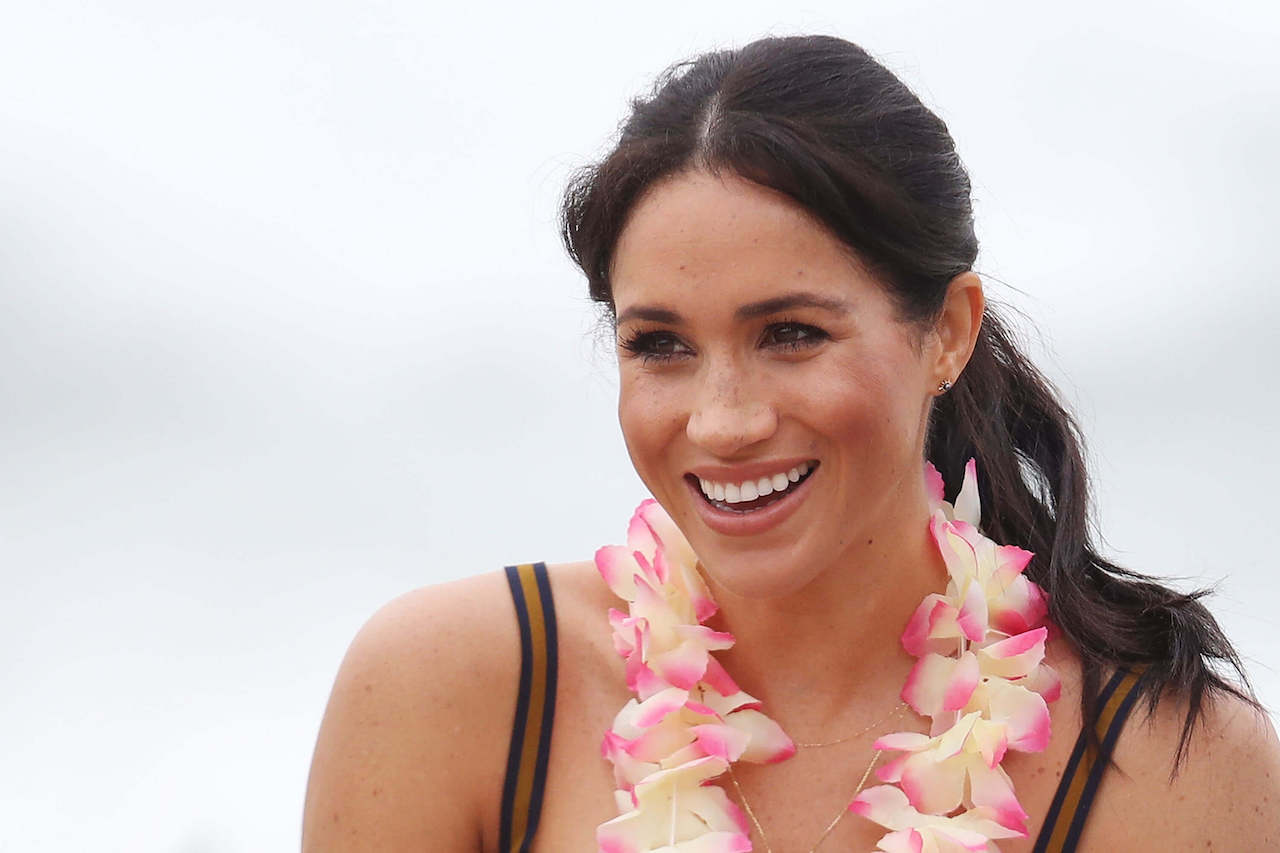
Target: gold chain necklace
x: 894, y: 712
x: 764, y: 839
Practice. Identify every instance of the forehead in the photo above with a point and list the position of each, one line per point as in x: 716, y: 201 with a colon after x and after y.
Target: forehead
x: 722, y: 240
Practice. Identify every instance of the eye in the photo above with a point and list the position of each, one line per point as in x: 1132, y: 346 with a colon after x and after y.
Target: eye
x: 788, y: 335
x: 653, y: 346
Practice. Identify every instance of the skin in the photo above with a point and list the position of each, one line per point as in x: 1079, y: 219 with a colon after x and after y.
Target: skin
x: 413, y: 747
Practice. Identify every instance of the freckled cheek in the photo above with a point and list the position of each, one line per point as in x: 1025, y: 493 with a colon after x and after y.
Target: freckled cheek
x: 650, y: 423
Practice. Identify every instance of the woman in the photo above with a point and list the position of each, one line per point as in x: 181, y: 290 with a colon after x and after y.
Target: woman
x: 783, y: 239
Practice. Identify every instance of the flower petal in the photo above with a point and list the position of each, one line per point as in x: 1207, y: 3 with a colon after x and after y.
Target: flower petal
x: 1016, y: 656
x: 967, y: 505
x: 938, y: 683
x: 990, y: 787
x: 1023, y: 712
x: 768, y: 744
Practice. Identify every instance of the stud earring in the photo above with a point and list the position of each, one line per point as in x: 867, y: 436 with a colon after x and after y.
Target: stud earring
x: 944, y: 386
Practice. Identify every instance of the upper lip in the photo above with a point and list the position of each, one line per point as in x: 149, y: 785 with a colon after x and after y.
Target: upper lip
x: 752, y: 471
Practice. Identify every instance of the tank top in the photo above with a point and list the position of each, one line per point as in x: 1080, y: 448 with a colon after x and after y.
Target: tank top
x: 535, y: 712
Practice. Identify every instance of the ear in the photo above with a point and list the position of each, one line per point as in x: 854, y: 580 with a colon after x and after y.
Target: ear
x: 958, y: 324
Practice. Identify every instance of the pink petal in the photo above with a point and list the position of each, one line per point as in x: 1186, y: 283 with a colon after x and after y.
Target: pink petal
x: 933, y: 787
x: 1045, y: 681
x: 933, y: 618
x: 768, y: 744
x: 718, y: 679
x: 902, y: 841
x: 891, y: 770
x: 884, y: 804
x: 618, y: 568
x: 678, y: 549
x: 1019, y: 608
x: 661, y: 567
x: 1014, y: 656
x: 655, y: 709
x: 990, y: 787
x: 910, y: 741
x: 1023, y: 712
x: 991, y: 740
x: 606, y: 842
x: 952, y: 741
x: 723, y: 741
x: 640, y: 535
x: 716, y: 810
x: 933, y: 485
x: 659, y: 743
x: 972, y: 617
x: 709, y: 639
x: 704, y: 606
x: 957, y: 553
x: 1010, y: 562
x: 938, y: 683
x: 682, y: 666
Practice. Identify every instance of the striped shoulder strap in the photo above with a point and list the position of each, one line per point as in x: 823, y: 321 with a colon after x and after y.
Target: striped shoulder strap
x: 1065, y: 820
x: 535, y: 707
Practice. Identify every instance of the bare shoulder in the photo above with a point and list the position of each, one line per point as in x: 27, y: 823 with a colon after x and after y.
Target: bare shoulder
x: 411, y: 744
x: 1225, y: 796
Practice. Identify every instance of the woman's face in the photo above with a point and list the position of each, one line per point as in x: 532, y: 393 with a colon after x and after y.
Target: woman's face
x: 770, y: 398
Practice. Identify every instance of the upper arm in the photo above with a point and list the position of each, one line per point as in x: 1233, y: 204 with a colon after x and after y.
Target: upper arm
x: 1226, y: 796
x: 412, y: 746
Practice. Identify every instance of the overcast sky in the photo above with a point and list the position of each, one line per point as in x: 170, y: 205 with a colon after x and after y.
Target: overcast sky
x: 287, y: 330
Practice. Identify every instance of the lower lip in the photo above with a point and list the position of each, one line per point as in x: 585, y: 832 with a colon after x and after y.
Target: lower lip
x: 750, y: 523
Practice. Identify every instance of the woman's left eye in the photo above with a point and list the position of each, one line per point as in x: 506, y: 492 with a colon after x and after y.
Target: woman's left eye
x: 792, y: 336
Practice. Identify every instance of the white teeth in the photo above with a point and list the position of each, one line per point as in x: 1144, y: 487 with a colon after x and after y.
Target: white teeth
x: 751, y: 489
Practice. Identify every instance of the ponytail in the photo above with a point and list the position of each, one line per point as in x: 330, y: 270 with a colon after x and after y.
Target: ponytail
x: 1034, y: 490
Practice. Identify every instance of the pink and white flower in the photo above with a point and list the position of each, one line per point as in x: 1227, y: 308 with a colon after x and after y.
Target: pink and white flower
x: 981, y: 678
x: 690, y: 720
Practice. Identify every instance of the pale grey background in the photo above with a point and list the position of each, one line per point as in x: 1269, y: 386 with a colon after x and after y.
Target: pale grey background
x: 287, y: 331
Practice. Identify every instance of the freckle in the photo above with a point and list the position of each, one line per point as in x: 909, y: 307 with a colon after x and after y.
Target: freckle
x: 335, y: 817
x: 368, y: 688
x: 377, y: 791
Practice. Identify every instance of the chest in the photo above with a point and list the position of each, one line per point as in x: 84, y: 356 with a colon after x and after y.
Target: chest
x: 795, y: 802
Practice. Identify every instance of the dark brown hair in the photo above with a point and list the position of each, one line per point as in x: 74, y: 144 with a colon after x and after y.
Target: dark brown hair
x: 816, y: 118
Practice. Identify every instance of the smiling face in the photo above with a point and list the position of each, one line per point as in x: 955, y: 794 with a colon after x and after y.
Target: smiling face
x: 770, y: 397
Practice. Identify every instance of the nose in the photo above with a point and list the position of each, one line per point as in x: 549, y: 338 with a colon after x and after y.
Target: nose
x: 729, y: 414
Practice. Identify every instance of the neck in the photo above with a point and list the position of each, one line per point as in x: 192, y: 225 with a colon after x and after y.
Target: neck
x: 829, y: 654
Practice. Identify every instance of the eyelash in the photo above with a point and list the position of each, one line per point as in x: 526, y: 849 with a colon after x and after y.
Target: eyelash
x: 644, y: 345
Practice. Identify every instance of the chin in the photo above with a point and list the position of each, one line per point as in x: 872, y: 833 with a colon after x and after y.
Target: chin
x: 755, y: 570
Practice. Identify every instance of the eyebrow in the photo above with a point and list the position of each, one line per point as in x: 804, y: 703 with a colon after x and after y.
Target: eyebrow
x: 785, y: 302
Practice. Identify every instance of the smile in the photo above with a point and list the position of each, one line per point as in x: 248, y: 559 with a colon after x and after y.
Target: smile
x: 755, y: 494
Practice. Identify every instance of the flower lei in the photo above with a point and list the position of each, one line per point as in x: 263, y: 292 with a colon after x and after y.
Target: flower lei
x: 979, y: 676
